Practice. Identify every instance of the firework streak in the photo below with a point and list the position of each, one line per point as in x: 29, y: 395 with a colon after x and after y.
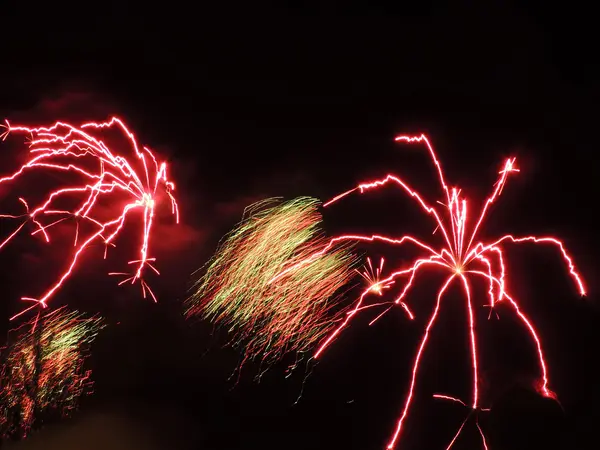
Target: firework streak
x: 107, y: 188
x: 271, y: 319
x: 463, y: 256
x: 43, y: 369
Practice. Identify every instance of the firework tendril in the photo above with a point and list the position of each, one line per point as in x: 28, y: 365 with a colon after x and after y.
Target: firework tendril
x: 464, y: 257
x: 106, y: 187
x: 272, y: 319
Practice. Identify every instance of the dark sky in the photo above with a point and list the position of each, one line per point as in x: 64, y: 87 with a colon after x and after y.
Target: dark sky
x: 248, y: 102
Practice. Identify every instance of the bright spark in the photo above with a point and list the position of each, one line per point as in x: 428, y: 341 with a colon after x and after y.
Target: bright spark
x: 373, y: 276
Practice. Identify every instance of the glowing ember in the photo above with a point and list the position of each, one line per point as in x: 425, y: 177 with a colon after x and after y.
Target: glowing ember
x: 123, y: 182
x: 463, y: 256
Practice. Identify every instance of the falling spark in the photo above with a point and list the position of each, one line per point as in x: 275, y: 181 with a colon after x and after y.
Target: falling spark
x: 43, y: 369
x: 127, y: 182
x: 463, y: 256
x: 270, y: 320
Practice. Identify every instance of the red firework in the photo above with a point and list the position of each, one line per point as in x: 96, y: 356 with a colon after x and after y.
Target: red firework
x: 464, y: 256
x: 102, y: 175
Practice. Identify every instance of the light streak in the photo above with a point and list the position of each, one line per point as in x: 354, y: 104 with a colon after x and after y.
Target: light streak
x: 463, y: 256
x: 43, y: 369
x: 271, y: 319
x: 109, y: 185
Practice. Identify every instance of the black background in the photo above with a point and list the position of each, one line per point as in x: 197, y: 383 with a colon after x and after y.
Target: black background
x: 251, y: 101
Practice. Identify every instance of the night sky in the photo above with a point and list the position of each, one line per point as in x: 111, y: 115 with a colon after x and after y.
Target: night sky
x: 249, y: 102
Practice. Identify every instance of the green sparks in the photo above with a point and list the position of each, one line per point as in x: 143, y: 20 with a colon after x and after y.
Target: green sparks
x: 291, y: 314
x: 43, y: 370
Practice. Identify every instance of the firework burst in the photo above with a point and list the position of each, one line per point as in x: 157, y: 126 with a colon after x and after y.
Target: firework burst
x: 43, y: 369
x: 464, y: 257
x: 373, y: 276
x: 107, y: 188
x: 271, y: 319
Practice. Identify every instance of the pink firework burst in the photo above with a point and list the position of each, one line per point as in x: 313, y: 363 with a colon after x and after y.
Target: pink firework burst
x: 464, y: 256
x: 105, y: 188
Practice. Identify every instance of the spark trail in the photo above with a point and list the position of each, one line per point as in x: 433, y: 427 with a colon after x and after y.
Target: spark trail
x: 108, y: 186
x: 271, y: 320
x: 464, y: 256
x: 43, y: 369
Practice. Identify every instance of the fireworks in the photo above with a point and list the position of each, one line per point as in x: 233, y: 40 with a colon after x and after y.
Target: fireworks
x: 108, y: 188
x: 273, y: 318
x: 464, y: 256
x: 43, y: 369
